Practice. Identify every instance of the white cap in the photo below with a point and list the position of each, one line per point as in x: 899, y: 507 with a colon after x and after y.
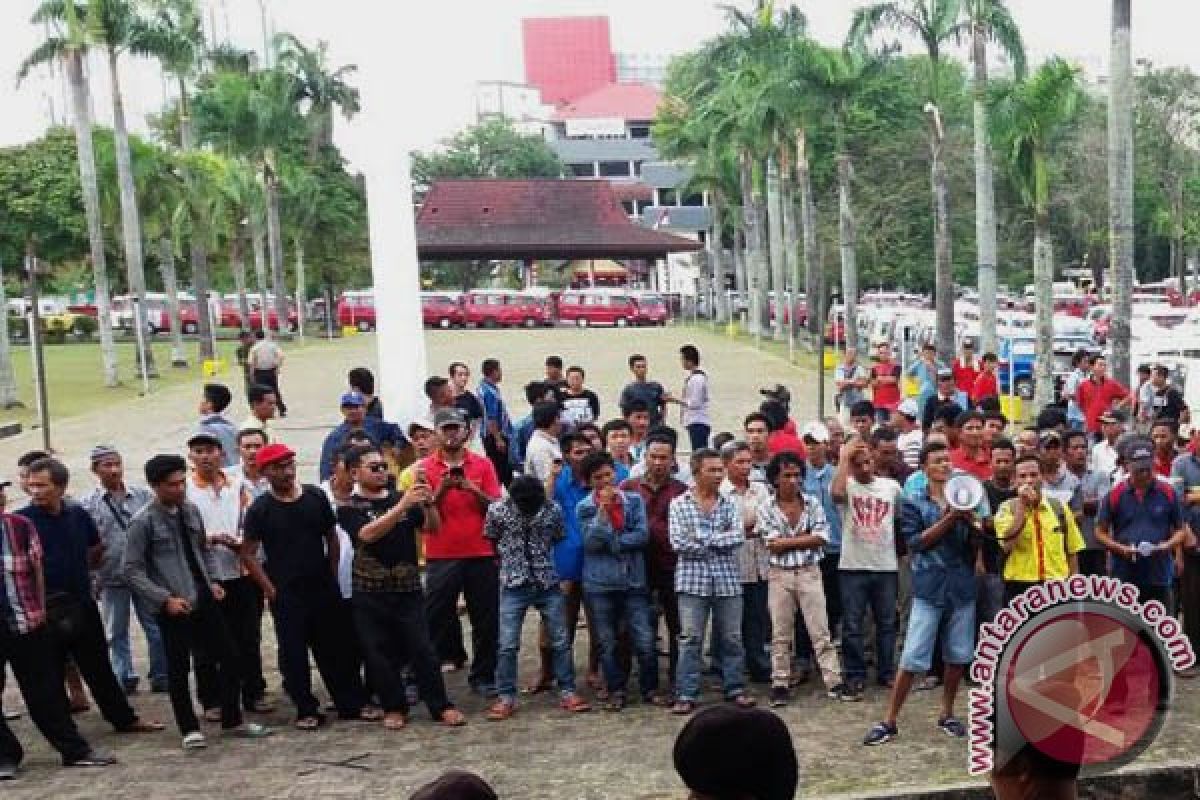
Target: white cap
x: 816, y: 431
x: 908, y: 407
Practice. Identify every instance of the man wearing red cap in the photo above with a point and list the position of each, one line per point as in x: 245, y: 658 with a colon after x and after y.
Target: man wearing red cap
x: 296, y: 529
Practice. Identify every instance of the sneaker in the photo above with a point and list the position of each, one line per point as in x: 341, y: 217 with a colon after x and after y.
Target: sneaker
x: 194, y: 741
x: 952, y: 726
x: 7, y: 771
x: 92, y: 758
x: 845, y: 693
x: 880, y: 733
x: 251, y: 730
x: 779, y: 696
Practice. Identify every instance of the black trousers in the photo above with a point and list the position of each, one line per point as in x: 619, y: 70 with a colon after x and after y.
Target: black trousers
x: 309, y: 615
x: 87, y: 646
x: 1189, y: 598
x: 479, y: 580
x: 666, y: 604
x: 31, y: 657
x: 203, y: 629
x: 270, y: 377
x: 242, y: 611
x: 394, y: 634
x: 1093, y: 562
x: 499, y: 460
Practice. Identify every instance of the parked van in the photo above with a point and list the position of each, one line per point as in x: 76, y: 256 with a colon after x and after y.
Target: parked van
x: 585, y: 307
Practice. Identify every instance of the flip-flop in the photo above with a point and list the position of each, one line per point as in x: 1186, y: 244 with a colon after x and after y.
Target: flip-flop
x: 452, y: 718
x: 370, y: 714
x: 307, y: 723
x: 395, y: 722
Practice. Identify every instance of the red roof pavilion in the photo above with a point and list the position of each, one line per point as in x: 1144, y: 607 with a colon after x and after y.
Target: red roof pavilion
x: 475, y: 219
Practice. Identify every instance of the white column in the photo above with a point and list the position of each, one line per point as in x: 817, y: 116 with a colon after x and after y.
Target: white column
x: 382, y: 147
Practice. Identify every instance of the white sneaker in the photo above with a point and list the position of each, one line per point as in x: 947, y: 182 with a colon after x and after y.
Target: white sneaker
x: 194, y: 741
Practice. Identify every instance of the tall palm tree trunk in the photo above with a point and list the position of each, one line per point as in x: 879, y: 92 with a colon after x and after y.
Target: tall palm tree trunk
x: 275, y: 250
x: 1120, y: 187
x: 741, y: 280
x: 848, y: 245
x: 791, y: 247
x: 131, y: 225
x: 260, y: 270
x: 943, y: 292
x: 808, y: 224
x: 752, y: 222
x: 166, y: 266
x: 716, y: 246
x: 237, y: 264
x: 1043, y: 281
x: 985, y: 198
x: 82, y: 119
x: 202, y: 286
x: 301, y: 288
x: 8, y: 380
x: 775, y: 239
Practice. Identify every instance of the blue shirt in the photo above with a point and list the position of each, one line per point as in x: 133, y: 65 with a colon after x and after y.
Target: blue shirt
x: 1185, y: 475
x: 817, y: 483
x: 1131, y: 519
x: 568, y: 552
x: 926, y: 380
x: 66, y: 538
x: 943, y: 574
x: 522, y: 431
x: 379, y: 432
x: 494, y: 409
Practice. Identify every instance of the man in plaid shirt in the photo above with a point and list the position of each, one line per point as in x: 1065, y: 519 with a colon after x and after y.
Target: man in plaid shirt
x: 706, y: 535
x: 25, y: 646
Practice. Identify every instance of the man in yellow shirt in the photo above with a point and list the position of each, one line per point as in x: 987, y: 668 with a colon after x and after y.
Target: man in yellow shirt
x: 424, y: 439
x: 1037, y: 533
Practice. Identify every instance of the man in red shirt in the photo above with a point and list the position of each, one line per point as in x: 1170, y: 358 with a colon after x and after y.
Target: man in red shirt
x: 885, y: 382
x: 971, y: 456
x: 1099, y: 394
x: 985, y: 385
x: 966, y: 369
x: 1162, y: 433
x: 458, y: 559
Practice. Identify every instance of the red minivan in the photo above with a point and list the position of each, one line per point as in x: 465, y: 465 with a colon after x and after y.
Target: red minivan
x: 586, y: 307
x: 357, y: 309
x: 652, y: 309
x: 441, y: 310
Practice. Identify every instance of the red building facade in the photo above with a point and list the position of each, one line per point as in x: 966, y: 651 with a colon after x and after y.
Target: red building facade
x: 567, y: 57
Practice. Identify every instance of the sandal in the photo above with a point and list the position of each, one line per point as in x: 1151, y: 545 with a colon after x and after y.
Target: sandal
x: 615, y: 703
x: 682, y: 708
x: 143, y: 726
x: 394, y: 721
x: 452, y: 718
x: 370, y: 714
x: 501, y: 710
x: 310, y: 723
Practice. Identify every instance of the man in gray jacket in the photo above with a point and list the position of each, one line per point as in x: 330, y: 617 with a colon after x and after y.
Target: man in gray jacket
x: 168, y: 563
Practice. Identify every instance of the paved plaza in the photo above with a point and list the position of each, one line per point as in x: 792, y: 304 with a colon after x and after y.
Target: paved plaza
x: 541, y: 753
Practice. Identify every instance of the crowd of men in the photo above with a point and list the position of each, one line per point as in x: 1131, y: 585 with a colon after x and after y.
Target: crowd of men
x: 816, y: 546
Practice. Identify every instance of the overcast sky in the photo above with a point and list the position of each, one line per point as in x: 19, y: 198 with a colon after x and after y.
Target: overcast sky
x: 447, y: 46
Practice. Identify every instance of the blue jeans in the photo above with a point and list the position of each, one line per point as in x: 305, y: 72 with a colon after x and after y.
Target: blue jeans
x: 927, y: 625
x: 551, y: 605
x: 861, y: 590
x: 698, y: 435
x: 756, y: 630
x: 727, y: 633
x: 632, y: 608
x: 114, y: 605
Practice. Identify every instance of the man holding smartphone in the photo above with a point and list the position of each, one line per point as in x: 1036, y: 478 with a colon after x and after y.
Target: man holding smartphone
x: 458, y: 559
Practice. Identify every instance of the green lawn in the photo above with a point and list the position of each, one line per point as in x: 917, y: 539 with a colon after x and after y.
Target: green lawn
x: 75, y: 382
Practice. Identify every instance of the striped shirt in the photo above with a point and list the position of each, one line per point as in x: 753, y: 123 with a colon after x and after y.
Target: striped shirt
x: 706, y: 545
x: 22, y: 606
x: 774, y: 524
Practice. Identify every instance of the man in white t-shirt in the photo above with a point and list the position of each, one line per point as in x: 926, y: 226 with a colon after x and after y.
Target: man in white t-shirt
x: 543, y: 449
x: 910, y: 438
x: 868, y: 567
x: 1103, y: 458
x: 265, y: 362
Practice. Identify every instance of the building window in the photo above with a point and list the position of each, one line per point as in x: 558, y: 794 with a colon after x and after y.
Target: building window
x: 639, y: 131
x: 668, y: 197
x: 614, y: 169
x: 628, y: 206
x: 695, y: 200
x: 637, y: 168
x: 582, y: 170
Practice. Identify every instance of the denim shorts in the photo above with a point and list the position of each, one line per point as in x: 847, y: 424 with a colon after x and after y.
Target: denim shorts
x: 924, y: 621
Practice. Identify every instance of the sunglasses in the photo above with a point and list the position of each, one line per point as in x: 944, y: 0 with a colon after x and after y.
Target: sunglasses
x: 378, y: 466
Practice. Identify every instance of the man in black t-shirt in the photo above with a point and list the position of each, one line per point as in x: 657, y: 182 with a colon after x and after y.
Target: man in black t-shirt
x: 465, y: 399
x: 1168, y: 401
x: 296, y: 529
x: 554, y: 376
x: 649, y: 392
x: 989, y: 583
x: 579, y: 405
x: 389, y: 605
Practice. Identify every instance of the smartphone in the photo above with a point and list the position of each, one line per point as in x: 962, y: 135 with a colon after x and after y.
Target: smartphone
x: 455, y: 472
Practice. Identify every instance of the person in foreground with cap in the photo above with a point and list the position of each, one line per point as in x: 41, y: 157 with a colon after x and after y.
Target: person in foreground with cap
x: 909, y: 436
x: 70, y: 545
x: 221, y: 500
x: 382, y: 434
x: 943, y: 586
x: 1103, y: 457
x: 170, y: 563
x: 1141, y: 523
x: 296, y: 529
x: 729, y: 753
x: 459, y: 559
x: 112, y: 505
x: 1037, y: 532
x: 25, y: 647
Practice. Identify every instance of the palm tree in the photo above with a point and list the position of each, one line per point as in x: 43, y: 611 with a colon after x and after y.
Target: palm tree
x: 68, y: 44
x: 989, y: 20
x: 320, y: 87
x: 1026, y: 117
x: 160, y: 198
x: 8, y: 380
x: 1120, y: 186
x: 935, y: 23
x: 197, y: 217
x: 243, y: 201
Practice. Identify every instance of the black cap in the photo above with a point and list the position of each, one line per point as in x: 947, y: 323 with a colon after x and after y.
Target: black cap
x: 725, y: 751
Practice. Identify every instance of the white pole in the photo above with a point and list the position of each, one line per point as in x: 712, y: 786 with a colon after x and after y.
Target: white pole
x: 139, y: 319
x: 381, y: 138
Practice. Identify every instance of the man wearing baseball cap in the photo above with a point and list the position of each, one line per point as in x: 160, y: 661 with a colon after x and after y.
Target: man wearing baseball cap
x: 909, y: 436
x: 295, y: 526
x: 459, y: 560
x: 1141, y: 524
x: 423, y: 437
x: 945, y: 394
x: 386, y: 435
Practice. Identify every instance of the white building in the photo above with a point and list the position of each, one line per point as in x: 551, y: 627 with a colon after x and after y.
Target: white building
x: 517, y: 102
